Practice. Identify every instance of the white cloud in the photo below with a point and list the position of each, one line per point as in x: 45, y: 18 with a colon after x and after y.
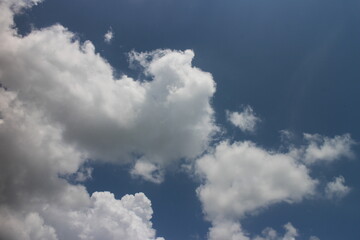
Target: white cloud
x: 267, y: 234
x: 29, y: 227
x: 336, y: 189
x: 63, y: 106
x: 291, y: 232
x: 148, y: 171
x: 109, y: 35
x: 240, y: 178
x: 245, y: 120
x: 325, y: 149
x: 226, y: 230
x: 103, y: 217
x: 67, y: 95
x: 33, y: 155
x: 270, y: 234
x: 35, y: 204
x: 167, y: 118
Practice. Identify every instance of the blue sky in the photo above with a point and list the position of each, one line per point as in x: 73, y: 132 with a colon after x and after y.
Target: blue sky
x: 230, y: 117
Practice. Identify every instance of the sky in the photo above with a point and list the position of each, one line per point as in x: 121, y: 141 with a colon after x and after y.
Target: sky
x: 179, y: 120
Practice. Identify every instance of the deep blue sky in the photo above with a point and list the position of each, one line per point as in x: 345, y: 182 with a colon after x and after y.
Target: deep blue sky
x: 295, y: 62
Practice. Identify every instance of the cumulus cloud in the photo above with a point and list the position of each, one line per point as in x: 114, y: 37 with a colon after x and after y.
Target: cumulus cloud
x: 148, y: 171
x: 245, y: 120
x: 104, y: 217
x: 167, y: 118
x: 36, y: 204
x: 337, y: 189
x: 73, y: 92
x: 241, y: 178
x: 33, y: 154
x: 61, y: 105
x: 109, y: 35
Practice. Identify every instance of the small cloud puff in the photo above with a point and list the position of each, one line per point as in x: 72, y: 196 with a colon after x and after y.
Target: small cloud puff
x: 232, y: 230
x: 325, y: 149
x: 270, y: 234
x: 109, y: 35
x: 148, y: 171
x: 245, y: 120
x: 336, y: 189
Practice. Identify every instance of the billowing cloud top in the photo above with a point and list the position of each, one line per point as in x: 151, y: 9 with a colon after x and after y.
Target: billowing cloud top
x: 166, y: 118
x: 61, y: 105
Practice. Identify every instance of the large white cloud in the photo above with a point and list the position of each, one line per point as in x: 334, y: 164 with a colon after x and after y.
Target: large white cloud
x: 166, y: 118
x: 32, y: 156
x: 61, y: 105
x: 241, y: 178
x: 36, y: 204
x: 103, y: 217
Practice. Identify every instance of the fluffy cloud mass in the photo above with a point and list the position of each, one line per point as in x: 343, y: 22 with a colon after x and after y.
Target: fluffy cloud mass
x: 103, y: 217
x: 242, y: 178
x: 61, y: 105
x: 166, y: 118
